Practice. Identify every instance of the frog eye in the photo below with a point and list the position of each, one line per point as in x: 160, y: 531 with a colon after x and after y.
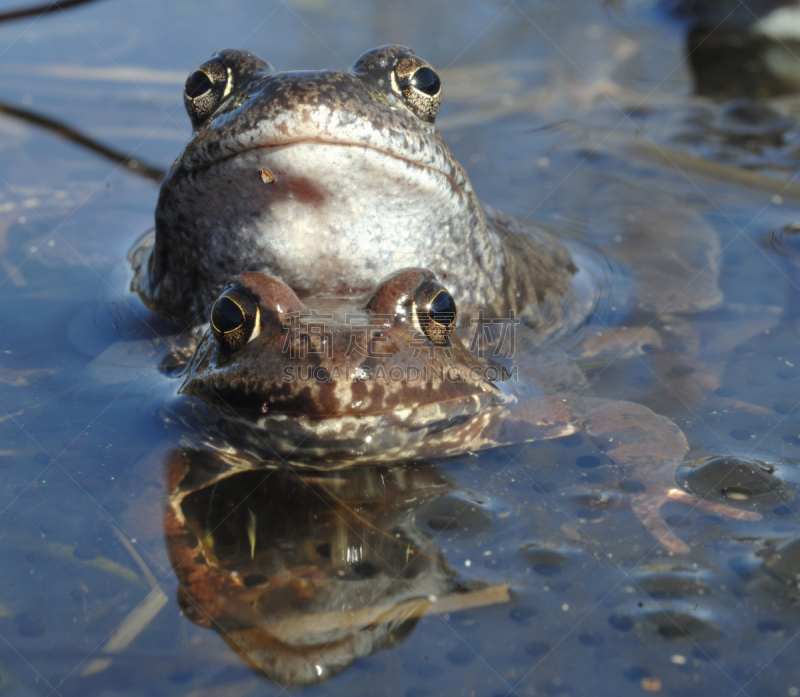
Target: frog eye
x: 434, y: 311
x: 419, y: 85
x: 425, y: 80
x: 206, y: 88
x: 235, y: 318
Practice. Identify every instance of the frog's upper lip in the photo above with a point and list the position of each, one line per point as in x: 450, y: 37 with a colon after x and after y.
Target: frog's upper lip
x: 451, y: 175
x: 402, y: 417
x: 207, y: 159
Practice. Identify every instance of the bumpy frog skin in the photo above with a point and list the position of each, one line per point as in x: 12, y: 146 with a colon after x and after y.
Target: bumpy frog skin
x: 331, y: 180
x: 338, y: 382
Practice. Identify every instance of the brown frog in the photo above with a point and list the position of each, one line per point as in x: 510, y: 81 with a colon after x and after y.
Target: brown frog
x: 336, y: 382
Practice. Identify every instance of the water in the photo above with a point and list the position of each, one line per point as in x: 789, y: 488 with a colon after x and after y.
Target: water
x: 574, y: 114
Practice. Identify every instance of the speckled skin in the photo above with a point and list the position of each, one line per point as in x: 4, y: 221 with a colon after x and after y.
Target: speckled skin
x: 362, y: 187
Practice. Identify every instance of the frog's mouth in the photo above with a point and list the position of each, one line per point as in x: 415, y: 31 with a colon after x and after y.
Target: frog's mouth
x: 322, y: 410
x: 320, y: 155
x: 305, y: 112
x: 449, y: 426
x: 346, y: 440
x: 291, y: 167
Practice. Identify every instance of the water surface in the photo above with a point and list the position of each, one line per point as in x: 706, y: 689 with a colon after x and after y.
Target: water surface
x: 575, y: 114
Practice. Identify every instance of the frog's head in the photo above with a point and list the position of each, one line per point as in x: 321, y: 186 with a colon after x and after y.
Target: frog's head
x: 372, y: 375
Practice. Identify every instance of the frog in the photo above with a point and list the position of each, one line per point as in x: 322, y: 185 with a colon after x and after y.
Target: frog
x: 335, y: 382
x: 329, y: 180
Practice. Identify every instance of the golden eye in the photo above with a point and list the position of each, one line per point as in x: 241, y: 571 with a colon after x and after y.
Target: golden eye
x: 206, y: 88
x: 436, y: 317
x: 197, y: 85
x: 210, y: 84
x: 420, y: 86
x: 426, y: 81
x: 234, y: 318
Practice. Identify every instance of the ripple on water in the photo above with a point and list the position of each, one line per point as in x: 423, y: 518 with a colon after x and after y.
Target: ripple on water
x: 751, y: 119
x: 675, y: 584
x: 546, y: 562
x: 30, y: 624
x: 554, y: 562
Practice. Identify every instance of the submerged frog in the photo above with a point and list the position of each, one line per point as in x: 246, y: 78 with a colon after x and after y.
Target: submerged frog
x: 336, y: 382
x: 331, y: 180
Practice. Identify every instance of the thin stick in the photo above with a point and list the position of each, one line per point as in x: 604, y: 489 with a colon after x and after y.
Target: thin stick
x: 299, y: 627
x: 143, y: 169
x: 133, y: 625
x: 136, y: 557
x: 47, y: 8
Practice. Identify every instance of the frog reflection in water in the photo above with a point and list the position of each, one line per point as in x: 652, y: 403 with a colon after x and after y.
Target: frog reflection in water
x: 387, y: 379
x: 301, y: 573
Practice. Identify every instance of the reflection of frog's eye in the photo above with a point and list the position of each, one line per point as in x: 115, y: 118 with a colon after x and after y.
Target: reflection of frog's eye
x: 235, y: 318
x: 206, y: 88
x: 420, y: 86
x: 436, y: 317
